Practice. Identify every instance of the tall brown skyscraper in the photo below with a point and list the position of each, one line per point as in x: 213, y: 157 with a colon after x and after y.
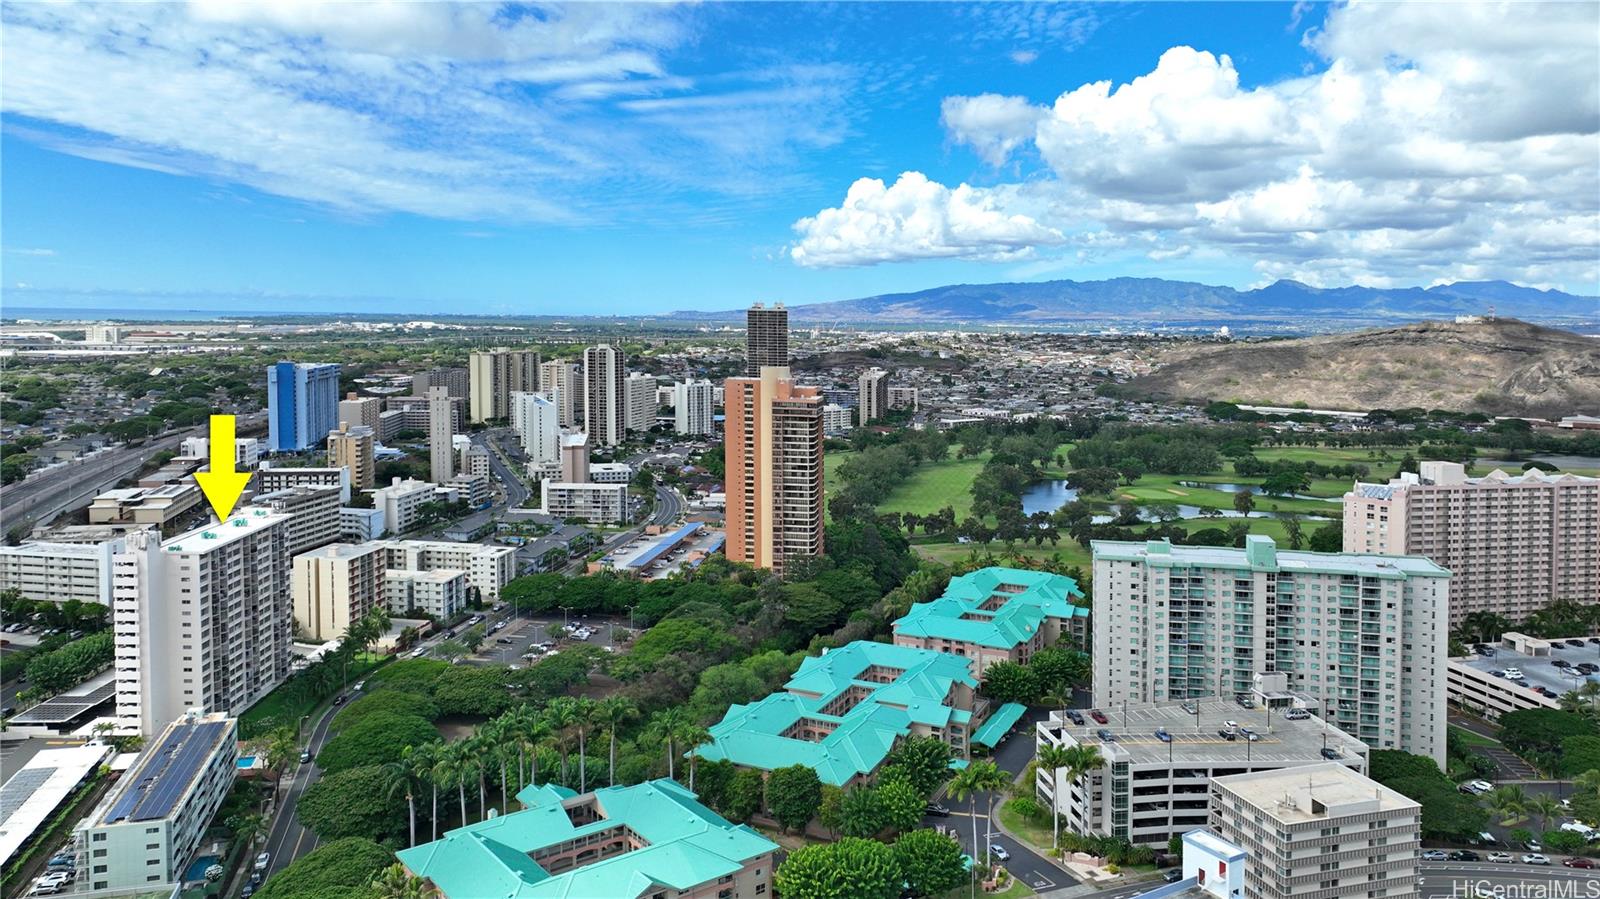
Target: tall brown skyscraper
x: 773, y: 443
x: 766, y: 338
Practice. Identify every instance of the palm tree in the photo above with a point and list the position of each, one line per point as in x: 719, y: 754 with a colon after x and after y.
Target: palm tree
x: 612, y: 712
x: 561, y: 713
x: 1506, y: 801
x: 1543, y: 808
x: 476, y: 746
x: 397, y: 782
x: 1588, y: 780
x: 666, y: 726
x: 1053, y: 759
x: 980, y: 776
x: 395, y: 882
x: 456, y: 762
x: 421, y: 761
x: 583, y: 717
x: 690, y: 737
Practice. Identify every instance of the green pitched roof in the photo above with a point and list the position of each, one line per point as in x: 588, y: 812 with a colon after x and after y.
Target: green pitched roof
x: 995, y: 728
x: 687, y: 844
x: 752, y: 735
x: 959, y: 614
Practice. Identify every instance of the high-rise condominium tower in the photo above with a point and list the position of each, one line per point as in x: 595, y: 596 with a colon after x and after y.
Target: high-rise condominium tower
x: 496, y: 374
x: 302, y: 405
x: 538, y: 424
x: 605, y: 397
x: 202, y: 620
x: 872, y: 396
x: 766, y: 338
x: 562, y: 382
x: 1514, y: 543
x: 441, y: 436
x: 693, y: 408
x: 773, y: 441
x: 641, y: 392
x: 1362, y: 637
x: 351, y: 447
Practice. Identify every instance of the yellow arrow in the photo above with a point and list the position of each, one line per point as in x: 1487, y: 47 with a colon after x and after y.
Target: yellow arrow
x: 222, y: 484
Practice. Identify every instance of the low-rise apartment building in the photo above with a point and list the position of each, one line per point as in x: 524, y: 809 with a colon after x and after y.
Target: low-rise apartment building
x: 648, y: 841
x: 152, y: 506
x: 488, y: 568
x: 440, y: 592
x: 1319, y: 832
x: 313, y: 515
x: 843, y: 711
x: 596, y: 503
x: 1363, y: 636
x: 58, y: 572
x: 270, y: 480
x: 148, y: 829
x: 402, y: 502
x: 1154, y: 787
x: 997, y: 615
x: 1515, y: 543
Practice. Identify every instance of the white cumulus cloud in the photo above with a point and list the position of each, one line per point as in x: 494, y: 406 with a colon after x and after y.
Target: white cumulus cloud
x: 915, y: 218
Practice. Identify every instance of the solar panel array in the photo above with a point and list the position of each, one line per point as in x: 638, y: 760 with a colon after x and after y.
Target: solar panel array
x: 20, y: 788
x: 166, y: 772
x: 62, y: 709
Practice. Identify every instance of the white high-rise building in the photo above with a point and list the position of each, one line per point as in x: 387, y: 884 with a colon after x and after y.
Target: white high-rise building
x: 402, y: 501
x: 640, y: 389
x: 562, y: 382
x: 441, y: 434
x: 1514, y: 543
x: 538, y: 424
x: 496, y: 374
x: 693, y: 410
x: 1319, y: 832
x: 1362, y: 638
x: 836, y: 419
x: 246, y: 450
x: 605, y: 399
x: 201, y: 621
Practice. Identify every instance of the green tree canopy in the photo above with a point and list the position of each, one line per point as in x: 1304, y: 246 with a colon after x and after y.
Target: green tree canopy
x: 852, y: 868
x: 344, y: 867
x: 397, y: 702
x: 924, y: 761
x: 930, y: 862
x: 1010, y: 682
x: 350, y: 803
x: 375, y: 740
x: 793, y: 795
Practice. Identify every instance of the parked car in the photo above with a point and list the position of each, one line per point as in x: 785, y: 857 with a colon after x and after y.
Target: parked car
x: 1465, y: 855
x: 1578, y: 827
x: 1435, y: 855
x: 937, y: 810
x: 1577, y: 862
x: 1173, y: 876
x: 1513, y: 673
x: 1297, y: 714
x: 1226, y: 734
x: 1191, y: 707
x: 1575, y: 644
x: 1105, y: 736
x: 1330, y: 753
x: 1162, y: 735
x: 1099, y: 716
x: 1244, y: 701
x: 1500, y: 856
x: 999, y: 852
x: 506, y: 641
x: 1480, y: 786
x: 1561, y: 663
x: 1075, y: 717
x: 1534, y: 858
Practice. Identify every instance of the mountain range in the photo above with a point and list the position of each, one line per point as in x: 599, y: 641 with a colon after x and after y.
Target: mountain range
x: 1176, y: 302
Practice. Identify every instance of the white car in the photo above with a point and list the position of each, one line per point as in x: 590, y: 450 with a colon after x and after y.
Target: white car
x: 1480, y: 786
x: 1578, y: 827
x: 1500, y: 856
x: 1513, y: 673
x: 1534, y: 858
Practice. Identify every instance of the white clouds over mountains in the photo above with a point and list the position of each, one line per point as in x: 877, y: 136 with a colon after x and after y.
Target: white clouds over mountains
x: 1438, y: 141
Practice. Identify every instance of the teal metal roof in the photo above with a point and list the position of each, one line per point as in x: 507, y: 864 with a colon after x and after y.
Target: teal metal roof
x: 1001, y: 721
x: 1026, y: 599
x: 752, y: 735
x: 686, y: 844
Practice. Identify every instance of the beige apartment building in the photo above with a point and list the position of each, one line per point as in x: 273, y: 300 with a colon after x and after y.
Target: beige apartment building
x: 605, y: 395
x: 872, y: 396
x: 1513, y: 543
x: 335, y: 586
x: 1319, y: 832
x: 773, y: 440
x: 494, y: 375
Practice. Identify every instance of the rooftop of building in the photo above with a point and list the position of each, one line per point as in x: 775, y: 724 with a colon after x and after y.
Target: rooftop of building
x: 341, y: 551
x: 167, y: 770
x: 1453, y: 474
x: 242, y: 523
x: 684, y: 844
x: 432, y: 575
x: 1261, y: 553
x: 1195, y: 739
x: 998, y: 607
x: 752, y: 735
x: 1538, y: 670
x: 35, y: 790
x: 1314, y: 793
x: 47, y: 549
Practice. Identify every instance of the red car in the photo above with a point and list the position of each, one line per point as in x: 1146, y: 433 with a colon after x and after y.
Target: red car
x: 1098, y: 716
x: 1576, y: 862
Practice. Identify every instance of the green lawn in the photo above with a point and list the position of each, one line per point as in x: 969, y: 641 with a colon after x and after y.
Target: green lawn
x: 1158, y: 488
x: 1017, y: 890
x: 1068, y: 551
x: 1037, y: 835
x: 935, y: 485
x: 1475, y: 740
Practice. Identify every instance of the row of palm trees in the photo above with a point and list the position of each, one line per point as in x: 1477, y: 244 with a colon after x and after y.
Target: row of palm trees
x: 1511, y: 801
x: 1077, y: 760
x: 511, y: 747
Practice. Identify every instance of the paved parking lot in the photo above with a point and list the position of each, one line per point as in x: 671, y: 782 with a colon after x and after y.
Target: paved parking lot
x: 524, y: 633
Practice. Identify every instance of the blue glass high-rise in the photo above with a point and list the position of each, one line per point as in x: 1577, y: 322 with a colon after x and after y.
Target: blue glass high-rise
x: 302, y: 405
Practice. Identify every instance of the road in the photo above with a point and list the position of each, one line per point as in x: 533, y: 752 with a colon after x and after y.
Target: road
x: 515, y: 491
x: 1454, y: 880
x: 1013, y: 755
x: 287, y: 840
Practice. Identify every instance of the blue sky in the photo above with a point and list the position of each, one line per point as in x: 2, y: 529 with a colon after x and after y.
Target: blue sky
x: 429, y: 158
